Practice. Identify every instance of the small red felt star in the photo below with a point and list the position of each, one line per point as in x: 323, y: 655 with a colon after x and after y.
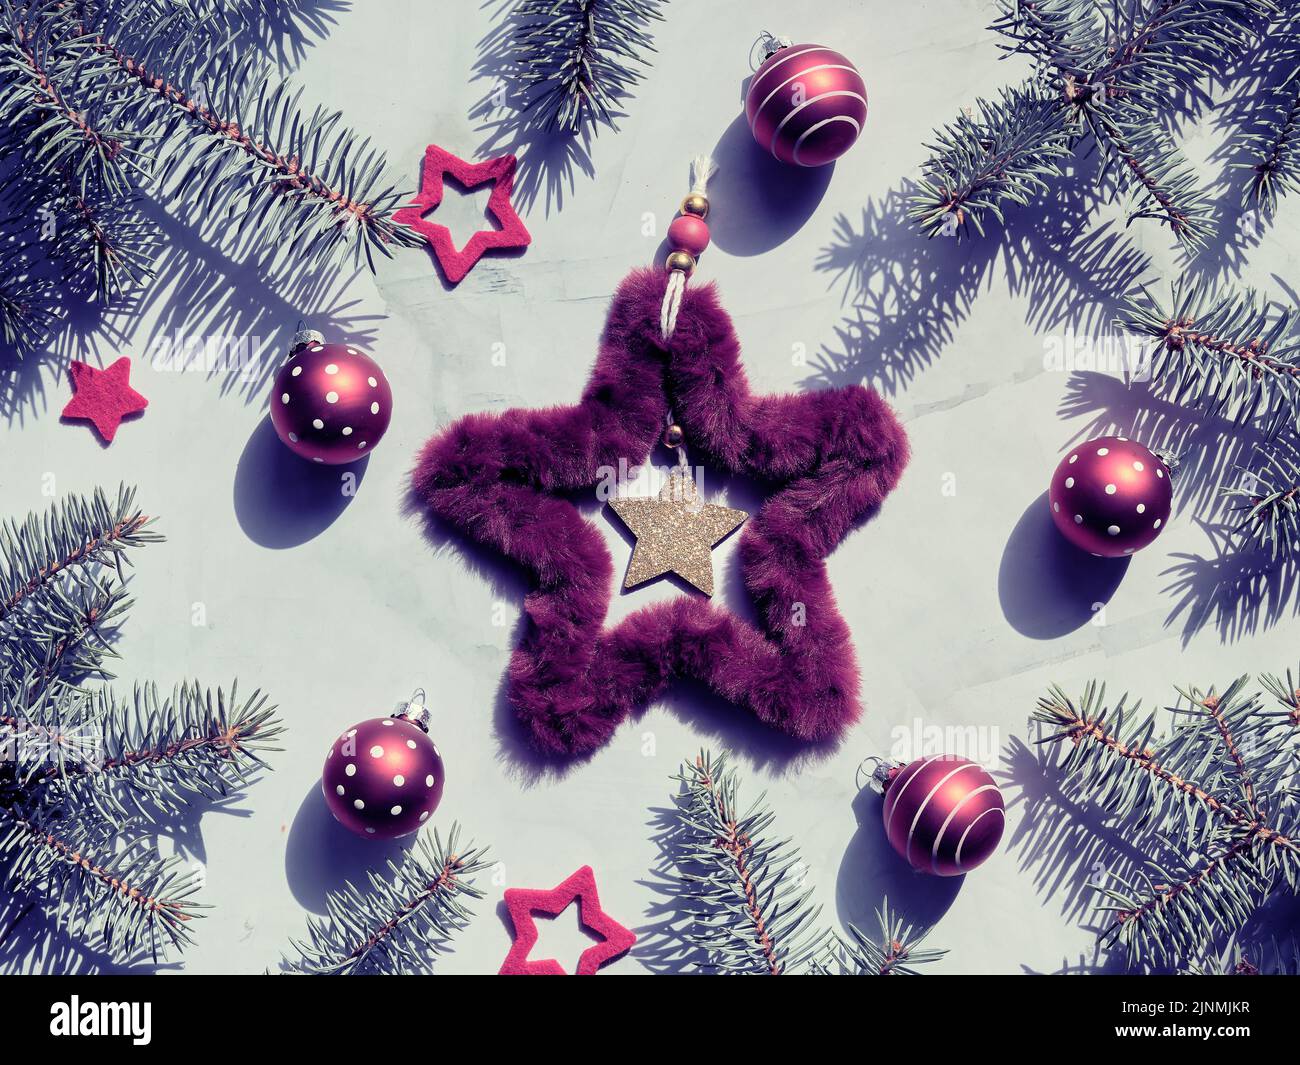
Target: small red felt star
x: 512, y: 234
x: 104, y: 397
x: 522, y: 903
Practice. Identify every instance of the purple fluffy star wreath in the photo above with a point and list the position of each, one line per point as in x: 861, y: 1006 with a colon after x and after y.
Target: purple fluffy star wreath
x: 827, y: 458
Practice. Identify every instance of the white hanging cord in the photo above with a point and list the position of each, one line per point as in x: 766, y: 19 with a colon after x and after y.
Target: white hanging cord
x: 681, y: 263
x: 689, y: 236
x: 672, y: 302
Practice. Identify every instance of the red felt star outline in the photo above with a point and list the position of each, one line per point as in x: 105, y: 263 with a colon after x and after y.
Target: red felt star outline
x: 103, y: 397
x: 522, y: 903
x: 501, y: 170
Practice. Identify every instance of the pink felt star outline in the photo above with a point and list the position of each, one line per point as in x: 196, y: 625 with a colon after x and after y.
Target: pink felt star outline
x: 103, y: 397
x: 512, y: 234
x: 522, y: 903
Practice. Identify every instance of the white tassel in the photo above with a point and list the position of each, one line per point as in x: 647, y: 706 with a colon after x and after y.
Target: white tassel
x: 702, y: 168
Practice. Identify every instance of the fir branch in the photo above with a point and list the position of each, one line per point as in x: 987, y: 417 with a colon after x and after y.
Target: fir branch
x: 1207, y: 802
x: 577, y: 57
x: 1287, y: 715
x: 1268, y: 501
x: 85, y: 780
x: 1110, y: 70
x: 896, y: 952
x: 76, y: 533
x: 402, y: 921
x: 1144, y: 160
x: 1225, y: 351
x: 1062, y: 37
x: 123, y: 893
x: 1004, y: 151
x: 68, y: 637
x: 1162, y: 789
x: 41, y: 56
x: 1255, y: 960
x: 107, y: 237
x: 1216, y: 897
x: 318, y: 190
x: 751, y: 913
x: 1163, y: 48
x: 146, y: 756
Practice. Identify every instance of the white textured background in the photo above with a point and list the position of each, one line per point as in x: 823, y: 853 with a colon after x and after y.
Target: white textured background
x: 962, y: 606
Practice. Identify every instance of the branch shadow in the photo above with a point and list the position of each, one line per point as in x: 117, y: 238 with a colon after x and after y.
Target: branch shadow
x: 905, y: 294
x: 1071, y: 849
x: 34, y: 940
x: 1238, y: 590
x: 1261, y: 86
x: 550, y: 160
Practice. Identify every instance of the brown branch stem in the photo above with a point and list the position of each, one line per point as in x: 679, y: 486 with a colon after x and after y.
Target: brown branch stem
x: 287, y: 168
x: 170, y: 911
x: 445, y: 879
x: 736, y: 844
x: 1255, y: 828
x: 78, y: 555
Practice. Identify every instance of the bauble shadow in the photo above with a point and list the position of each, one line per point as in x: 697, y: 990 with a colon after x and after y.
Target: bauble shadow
x: 321, y: 855
x: 871, y: 871
x: 767, y: 201
x: 282, y: 500
x: 1046, y: 585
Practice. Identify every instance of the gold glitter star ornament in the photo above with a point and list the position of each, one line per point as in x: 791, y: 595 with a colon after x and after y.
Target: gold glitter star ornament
x: 675, y: 533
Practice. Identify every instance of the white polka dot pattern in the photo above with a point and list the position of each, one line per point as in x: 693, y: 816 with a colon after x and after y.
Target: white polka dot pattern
x: 325, y: 394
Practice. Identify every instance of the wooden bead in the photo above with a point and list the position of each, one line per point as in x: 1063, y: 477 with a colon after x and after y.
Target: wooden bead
x: 680, y: 260
x: 689, y: 233
x: 697, y: 204
x: 673, y: 436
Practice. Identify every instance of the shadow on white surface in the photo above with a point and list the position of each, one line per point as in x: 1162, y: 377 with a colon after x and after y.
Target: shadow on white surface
x: 282, y: 500
x: 1046, y: 585
x: 321, y: 855
x: 871, y: 871
x: 767, y: 201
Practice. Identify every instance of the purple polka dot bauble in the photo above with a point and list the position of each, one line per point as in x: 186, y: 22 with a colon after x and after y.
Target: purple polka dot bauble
x: 383, y: 778
x: 330, y: 403
x: 1111, y: 496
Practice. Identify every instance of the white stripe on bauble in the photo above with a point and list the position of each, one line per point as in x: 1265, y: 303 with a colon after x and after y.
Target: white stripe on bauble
x: 933, y: 792
x: 771, y: 147
x: 857, y: 129
x: 962, y: 842
x: 791, y: 54
x: 934, y: 851
x: 897, y: 793
x: 796, y: 77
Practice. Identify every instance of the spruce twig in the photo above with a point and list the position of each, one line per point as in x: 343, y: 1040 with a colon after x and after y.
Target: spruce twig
x: 580, y: 57
x: 399, y: 922
x: 1208, y: 801
x: 750, y: 912
x: 85, y: 779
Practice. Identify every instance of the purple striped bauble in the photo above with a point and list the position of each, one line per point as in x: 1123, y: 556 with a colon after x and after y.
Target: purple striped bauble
x: 943, y: 814
x: 806, y: 104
